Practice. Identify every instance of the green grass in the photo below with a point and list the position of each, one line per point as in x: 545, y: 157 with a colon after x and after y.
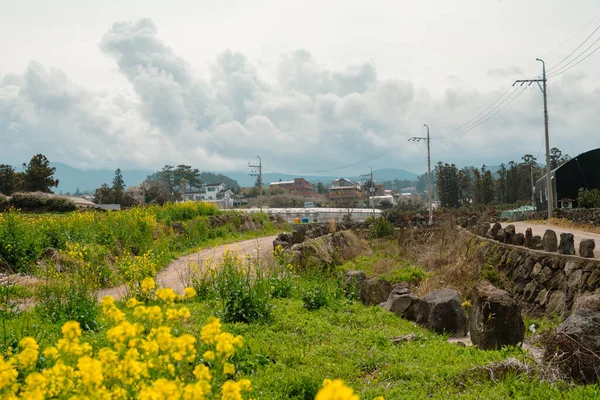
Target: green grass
x: 385, y: 267
x: 288, y: 357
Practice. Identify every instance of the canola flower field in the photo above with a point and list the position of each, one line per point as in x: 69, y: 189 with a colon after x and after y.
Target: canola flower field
x: 114, y: 245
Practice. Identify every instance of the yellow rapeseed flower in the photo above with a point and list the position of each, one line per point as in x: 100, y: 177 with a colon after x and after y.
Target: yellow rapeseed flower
x: 189, y: 292
x: 210, y: 331
x: 228, y: 369
x: 132, y: 303
x: 148, y: 284
x: 336, y: 390
x: 167, y: 295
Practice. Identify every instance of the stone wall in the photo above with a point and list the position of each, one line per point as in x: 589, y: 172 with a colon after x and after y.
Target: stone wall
x: 577, y: 215
x: 540, y: 282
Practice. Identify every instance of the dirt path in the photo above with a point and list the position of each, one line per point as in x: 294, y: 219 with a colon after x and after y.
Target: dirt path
x: 173, y: 274
x: 539, y: 229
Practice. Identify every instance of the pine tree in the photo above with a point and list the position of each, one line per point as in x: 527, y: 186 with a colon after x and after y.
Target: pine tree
x: 7, y: 179
x: 39, y: 175
x: 118, y: 186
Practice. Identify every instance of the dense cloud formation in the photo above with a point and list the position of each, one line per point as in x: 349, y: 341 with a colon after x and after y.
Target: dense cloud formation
x: 304, y: 118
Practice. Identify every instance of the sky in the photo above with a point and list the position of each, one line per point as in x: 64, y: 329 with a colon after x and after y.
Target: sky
x: 312, y: 87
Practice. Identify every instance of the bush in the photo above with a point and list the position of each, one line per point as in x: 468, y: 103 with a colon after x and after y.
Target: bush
x: 244, y: 294
x: 73, y: 300
x: 41, y: 202
x: 315, y: 296
x: 588, y: 198
x: 4, y: 203
x: 281, y: 287
x: 381, y: 228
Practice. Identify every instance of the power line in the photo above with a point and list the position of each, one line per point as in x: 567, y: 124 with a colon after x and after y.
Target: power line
x: 354, y: 164
x: 571, y: 38
x: 484, y: 110
x: 573, y: 52
x: 566, y: 67
x: 490, y: 114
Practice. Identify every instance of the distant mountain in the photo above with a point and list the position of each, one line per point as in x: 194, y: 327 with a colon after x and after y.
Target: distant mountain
x: 88, y: 180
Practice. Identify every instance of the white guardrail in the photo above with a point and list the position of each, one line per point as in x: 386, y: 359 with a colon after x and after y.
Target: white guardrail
x: 311, y: 215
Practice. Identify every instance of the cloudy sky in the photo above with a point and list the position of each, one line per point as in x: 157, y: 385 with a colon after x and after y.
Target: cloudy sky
x: 312, y: 87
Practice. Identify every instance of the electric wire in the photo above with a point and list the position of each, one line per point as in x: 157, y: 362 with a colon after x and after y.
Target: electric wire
x: 573, y: 52
x: 570, y: 64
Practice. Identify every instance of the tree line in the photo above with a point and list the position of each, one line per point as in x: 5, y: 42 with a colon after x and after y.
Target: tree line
x: 510, y: 183
x: 38, y: 176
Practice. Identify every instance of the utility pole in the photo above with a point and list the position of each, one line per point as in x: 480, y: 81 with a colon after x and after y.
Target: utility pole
x: 260, y: 181
x: 532, y: 187
x: 543, y: 88
x: 426, y: 139
x: 372, y: 190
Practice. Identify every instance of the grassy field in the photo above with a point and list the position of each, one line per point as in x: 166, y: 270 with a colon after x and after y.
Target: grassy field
x: 289, y: 355
x: 300, y: 328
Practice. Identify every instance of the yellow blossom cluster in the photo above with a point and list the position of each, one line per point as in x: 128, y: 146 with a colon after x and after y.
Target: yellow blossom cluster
x: 337, y: 390
x: 146, y: 358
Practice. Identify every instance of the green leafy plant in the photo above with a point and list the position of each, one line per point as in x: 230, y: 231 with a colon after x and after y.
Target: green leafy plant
x: 588, y: 198
x: 381, y: 227
x: 315, y: 296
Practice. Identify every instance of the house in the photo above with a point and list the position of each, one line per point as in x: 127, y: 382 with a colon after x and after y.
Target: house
x: 299, y: 186
x: 344, y: 193
x: 582, y: 171
x: 378, y: 201
x: 214, y: 193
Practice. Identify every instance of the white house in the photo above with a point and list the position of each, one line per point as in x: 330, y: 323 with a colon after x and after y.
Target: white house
x: 214, y: 193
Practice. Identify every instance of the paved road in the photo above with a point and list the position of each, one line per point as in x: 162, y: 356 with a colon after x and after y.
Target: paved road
x: 174, y: 275
x: 538, y: 229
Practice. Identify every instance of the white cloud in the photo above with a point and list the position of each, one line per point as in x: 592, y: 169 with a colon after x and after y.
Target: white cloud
x: 305, y: 117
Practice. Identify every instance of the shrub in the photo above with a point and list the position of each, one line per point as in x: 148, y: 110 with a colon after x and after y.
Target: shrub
x: 381, y: 228
x: 281, y: 287
x: 41, y: 202
x: 315, y: 296
x: 244, y: 293
x: 61, y: 301
x: 588, y: 198
x: 4, y: 203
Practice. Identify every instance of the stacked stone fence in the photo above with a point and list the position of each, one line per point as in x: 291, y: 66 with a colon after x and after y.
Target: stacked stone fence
x: 577, y: 215
x: 540, y: 281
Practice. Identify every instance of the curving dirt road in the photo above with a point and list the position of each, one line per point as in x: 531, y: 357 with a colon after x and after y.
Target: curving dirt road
x: 539, y: 229
x: 174, y: 275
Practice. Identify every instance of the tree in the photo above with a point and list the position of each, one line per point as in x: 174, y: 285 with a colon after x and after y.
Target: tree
x: 259, y: 183
x: 157, y: 193
x: 321, y: 189
x: 465, y: 192
x: 77, y: 192
x: 39, y: 175
x: 487, y: 185
x: 104, y: 195
x: 557, y: 158
x: 118, y: 186
x: 447, y: 184
x: 7, y: 179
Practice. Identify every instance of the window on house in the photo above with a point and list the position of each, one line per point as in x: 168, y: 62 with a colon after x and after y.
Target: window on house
x: 211, y: 189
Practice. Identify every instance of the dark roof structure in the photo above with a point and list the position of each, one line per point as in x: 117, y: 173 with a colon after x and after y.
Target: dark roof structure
x: 582, y: 171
